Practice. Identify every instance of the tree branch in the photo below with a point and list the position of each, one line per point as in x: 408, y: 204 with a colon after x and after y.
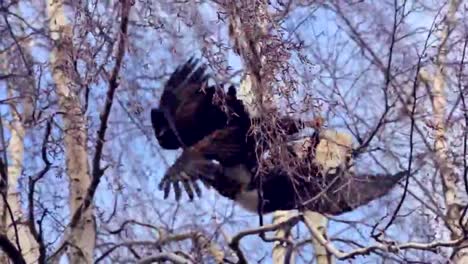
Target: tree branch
x: 97, y: 171
x: 158, y: 243
x: 387, y: 247
x: 172, y: 257
x: 32, y: 186
x: 412, y: 127
x: 234, y: 242
x: 12, y: 252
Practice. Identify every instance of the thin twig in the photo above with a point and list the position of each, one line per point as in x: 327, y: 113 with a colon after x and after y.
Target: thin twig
x: 235, y: 241
x: 158, y: 243
x: 387, y: 72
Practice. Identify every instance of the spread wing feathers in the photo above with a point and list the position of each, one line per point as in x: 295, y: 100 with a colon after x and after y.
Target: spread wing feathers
x: 344, y: 191
x: 184, y: 82
x: 166, y: 138
x: 206, y: 161
x: 186, y: 112
x: 327, y: 194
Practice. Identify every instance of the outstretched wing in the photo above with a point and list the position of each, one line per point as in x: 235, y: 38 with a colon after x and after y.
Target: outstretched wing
x: 327, y: 194
x: 345, y: 191
x: 183, y: 83
x: 166, y: 138
x: 186, y: 112
x: 206, y: 161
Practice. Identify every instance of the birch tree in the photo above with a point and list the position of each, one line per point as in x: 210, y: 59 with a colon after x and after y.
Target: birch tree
x: 449, y: 177
x: 13, y: 156
x: 82, y: 236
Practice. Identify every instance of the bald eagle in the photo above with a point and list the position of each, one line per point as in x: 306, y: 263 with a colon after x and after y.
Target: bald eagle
x: 219, y: 151
x: 308, y: 186
x: 190, y: 109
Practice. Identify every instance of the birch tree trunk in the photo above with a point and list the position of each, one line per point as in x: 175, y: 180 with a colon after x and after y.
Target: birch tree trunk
x: 279, y: 251
x: 321, y: 223
x: 448, y: 174
x: 248, y: 29
x: 14, y: 225
x: 331, y: 152
x: 82, y: 237
x: 28, y: 245
x: 248, y: 32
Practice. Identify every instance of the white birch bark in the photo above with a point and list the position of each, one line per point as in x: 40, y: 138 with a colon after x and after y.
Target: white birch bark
x: 322, y: 256
x: 331, y: 152
x: 248, y: 25
x: 279, y: 250
x: 82, y: 237
x: 17, y: 130
x: 29, y: 247
x: 449, y: 176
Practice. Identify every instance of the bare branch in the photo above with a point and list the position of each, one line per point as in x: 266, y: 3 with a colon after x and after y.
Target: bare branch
x: 97, y: 171
x: 158, y: 243
x: 172, y: 257
x: 411, y: 140
x: 234, y: 242
x: 32, y: 184
x: 390, y: 247
x: 12, y: 252
x: 388, y: 77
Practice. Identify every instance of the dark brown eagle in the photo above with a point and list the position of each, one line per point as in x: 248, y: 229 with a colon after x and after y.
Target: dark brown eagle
x: 308, y: 187
x: 219, y: 151
x: 208, y: 123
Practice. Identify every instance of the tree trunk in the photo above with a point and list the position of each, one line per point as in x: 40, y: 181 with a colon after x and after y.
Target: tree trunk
x: 29, y: 247
x: 449, y: 177
x: 331, y: 152
x: 82, y: 237
x: 12, y: 224
x: 320, y: 222
x: 249, y: 31
x: 279, y: 249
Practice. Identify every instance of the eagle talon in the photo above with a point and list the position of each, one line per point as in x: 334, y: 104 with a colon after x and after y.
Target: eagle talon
x: 188, y: 189
x: 184, y: 176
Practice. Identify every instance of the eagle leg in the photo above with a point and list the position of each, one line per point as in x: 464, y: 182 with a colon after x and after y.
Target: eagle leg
x: 187, y: 169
